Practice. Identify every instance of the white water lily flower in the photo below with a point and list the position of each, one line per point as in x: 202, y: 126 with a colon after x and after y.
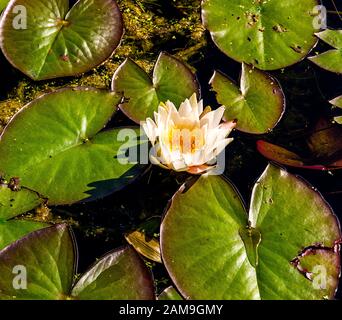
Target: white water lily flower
x: 188, y: 139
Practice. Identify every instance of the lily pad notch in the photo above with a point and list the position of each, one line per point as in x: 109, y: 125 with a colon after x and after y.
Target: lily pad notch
x: 257, y: 105
x: 171, y: 80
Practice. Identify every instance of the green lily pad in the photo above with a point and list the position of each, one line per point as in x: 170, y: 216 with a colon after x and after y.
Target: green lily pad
x: 59, y: 41
x: 170, y: 293
x: 257, y: 105
x: 14, y: 229
x: 49, y: 258
x: 337, y: 102
x: 119, y: 275
x: 54, y: 145
x: 330, y: 60
x: 338, y: 119
x: 267, y: 34
x: 3, y: 4
x: 172, y: 80
x: 319, y: 266
x: 12, y: 204
x: 210, y: 259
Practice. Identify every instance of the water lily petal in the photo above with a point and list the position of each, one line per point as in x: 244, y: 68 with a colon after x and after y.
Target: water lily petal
x: 213, y: 118
x: 179, y: 165
x: 185, y: 109
x: 197, y: 107
x: 199, y: 169
x: 198, y: 157
x: 155, y: 161
x: 150, y: 129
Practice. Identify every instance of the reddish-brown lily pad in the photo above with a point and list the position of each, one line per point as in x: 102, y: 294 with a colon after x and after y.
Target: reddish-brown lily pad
x: 325, y: 144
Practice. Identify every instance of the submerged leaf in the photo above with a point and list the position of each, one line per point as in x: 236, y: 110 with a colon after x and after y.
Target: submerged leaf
x: 289, y: 158
x: 148, y: 247
x: 324, y: 143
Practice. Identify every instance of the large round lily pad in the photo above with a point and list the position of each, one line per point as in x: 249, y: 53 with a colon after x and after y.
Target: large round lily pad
x: 48, y: 258
x: 330, y: 60
x: 257, y: 105
x: 47, y: 39
x: 223, y: 254
x: 172, y: 80
x: 54, y: 145
x: 270, y: 34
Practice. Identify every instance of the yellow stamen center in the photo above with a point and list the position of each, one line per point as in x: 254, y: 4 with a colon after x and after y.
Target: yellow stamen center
x: 185, y: 140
